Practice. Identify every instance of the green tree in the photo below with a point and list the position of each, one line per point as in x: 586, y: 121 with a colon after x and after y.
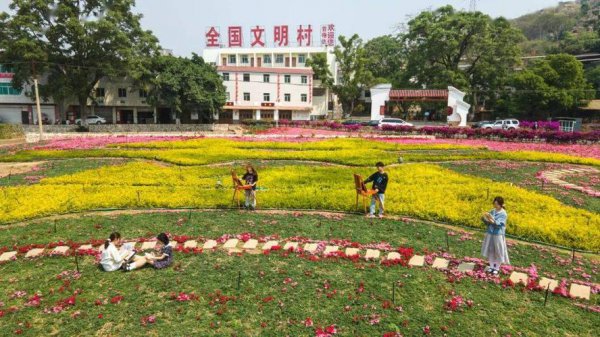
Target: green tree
x: 185, y: 85
x: 384, y: 58
x: 593, y: 77
x: 468, y: 50
x: 76, y: 43
x: 354, y: 76
x: 551, y: 85
x: 318, y: 63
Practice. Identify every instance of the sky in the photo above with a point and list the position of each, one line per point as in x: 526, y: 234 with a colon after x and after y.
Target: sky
x: 180, y: 25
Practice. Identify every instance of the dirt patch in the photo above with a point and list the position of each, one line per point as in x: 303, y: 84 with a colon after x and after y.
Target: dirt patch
x: 18, y: 168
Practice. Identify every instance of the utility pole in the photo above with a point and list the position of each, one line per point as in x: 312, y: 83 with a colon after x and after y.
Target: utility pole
x: 37, y: 102
x: 473, y: 6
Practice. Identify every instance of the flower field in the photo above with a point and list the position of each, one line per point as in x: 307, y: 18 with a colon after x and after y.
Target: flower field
x: 279, y: 292
x: 215, y: 293
x: 354, y: 152
x: 449, y: 196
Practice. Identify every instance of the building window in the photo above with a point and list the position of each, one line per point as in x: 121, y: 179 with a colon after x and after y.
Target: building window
x: 7, y: 89
x: 227, y: 95
x: 232, y: 59
x: 225, y: 76
x: 303, y: 98
x: 122, y: 92
x: 246, y: 77
x: 303, y: 79
x: 245, y: 59
x: 100, y: 92
x: 279, y: 58
x: 287, y: 78
x: 267, y: 58
x: 6, y: 69
x: 301, y: 58
x: 266, y: 97
x: 266, y: 78
x: 266, y: 115
x: 143, y: 93
x: 287, y: 97
x: 246, y: 96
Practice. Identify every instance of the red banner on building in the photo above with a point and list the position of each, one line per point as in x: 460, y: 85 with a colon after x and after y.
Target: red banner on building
x: 281, y: 36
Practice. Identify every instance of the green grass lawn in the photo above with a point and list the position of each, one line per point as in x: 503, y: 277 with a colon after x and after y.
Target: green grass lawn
x: 277, y: 293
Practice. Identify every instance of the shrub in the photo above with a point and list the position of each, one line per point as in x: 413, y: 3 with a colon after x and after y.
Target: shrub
x: 8, y: 131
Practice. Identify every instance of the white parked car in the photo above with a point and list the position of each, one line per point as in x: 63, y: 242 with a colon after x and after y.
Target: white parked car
x: 504, y: 124
x: 92, y: 120
x: 393, y: 121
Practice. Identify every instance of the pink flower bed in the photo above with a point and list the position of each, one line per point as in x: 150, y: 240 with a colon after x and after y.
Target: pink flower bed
x: 100, y: 142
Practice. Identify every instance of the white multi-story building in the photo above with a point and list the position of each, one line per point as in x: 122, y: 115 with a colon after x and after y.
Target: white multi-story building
x: 18, y: 108
x: 271, y: 83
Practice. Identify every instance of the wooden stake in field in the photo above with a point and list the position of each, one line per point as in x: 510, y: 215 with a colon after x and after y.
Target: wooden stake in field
x: 239, y: 280
x: 447, y: 243
x: 546, y: 297
x: 77, y: 261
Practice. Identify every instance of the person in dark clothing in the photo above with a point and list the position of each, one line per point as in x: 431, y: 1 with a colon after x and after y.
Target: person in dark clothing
x: 380, y: 181
x: 251, y: 178
x: 160, y: 261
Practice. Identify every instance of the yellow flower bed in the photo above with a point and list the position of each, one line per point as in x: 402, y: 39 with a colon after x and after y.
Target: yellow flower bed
x: 425, y: 191
x: 353, y: 152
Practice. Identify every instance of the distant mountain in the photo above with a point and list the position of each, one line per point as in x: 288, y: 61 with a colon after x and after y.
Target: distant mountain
x: 547, y: 29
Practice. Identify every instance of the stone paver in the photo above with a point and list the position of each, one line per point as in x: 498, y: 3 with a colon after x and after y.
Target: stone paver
x: 190, y: 244
x: 250, y: 244
x: 330, y: 249
x: 394, y: 256
x: 148, y: 245
x: 417, y: 261
x: 440, y: 263
x: 580, y: 291
x: 231, y: 243
x: 35, y: 252
x: 372, y: 254
x: 291, y: 245
x: 545, y: 282
x: 310, y: 247
x: 85, y: 247
x: 517, y: 277
x: 352, y: 251
x: 62, y: 250
x: 210, y: 244
x: 466, y: 266
x: 173, y: 244
x: 7, y: 256
x: 270, y: 244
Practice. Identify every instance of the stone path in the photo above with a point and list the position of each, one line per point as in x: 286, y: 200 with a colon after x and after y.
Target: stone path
x: 234, y: 245
x: 555, y: 177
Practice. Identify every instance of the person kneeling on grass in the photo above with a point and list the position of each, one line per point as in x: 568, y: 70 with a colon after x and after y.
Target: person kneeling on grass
x: 115, y: 254
x: 160, y: 261
x: 494, y: 243
x: 380, y: 180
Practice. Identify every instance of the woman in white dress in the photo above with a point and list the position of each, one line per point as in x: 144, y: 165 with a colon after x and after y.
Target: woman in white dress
x: 494, y: 243
x: 113, y: 258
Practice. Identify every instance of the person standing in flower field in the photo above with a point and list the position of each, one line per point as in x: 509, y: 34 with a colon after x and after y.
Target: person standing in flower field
x: 380, y: 181
x: 251, y: 178
x: 494, y: 243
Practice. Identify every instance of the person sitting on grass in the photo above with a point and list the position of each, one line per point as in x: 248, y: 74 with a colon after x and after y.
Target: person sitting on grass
x: 251, y: 178
x: 380, y: 180
x: 494, y: 243
x: 114, y: 255
x: 160, y: 261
